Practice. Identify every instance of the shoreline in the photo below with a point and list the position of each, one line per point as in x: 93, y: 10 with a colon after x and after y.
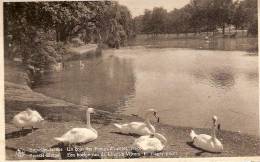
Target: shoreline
x: 201, y: 44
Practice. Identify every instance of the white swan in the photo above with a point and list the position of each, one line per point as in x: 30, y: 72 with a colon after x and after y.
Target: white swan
x: 150, y: 143
x: 57, y: 67
x: 80, y: 135
x: 140, y: 128
x: 27, y: 118
x: 82, y: 65
x: 206, y: 142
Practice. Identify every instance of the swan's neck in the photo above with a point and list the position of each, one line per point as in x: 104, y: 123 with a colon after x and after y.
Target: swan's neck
x: 88, y: 120
x: 88, y: 123
x: 213, y: 133
x: 148, y: 123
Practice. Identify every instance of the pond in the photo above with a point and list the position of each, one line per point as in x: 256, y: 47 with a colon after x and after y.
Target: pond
x: 186, y: 86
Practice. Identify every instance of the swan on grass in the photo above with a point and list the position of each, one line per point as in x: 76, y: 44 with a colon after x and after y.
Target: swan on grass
x: 139, y: 128
x: 27, y: 118
x: 80, y: 135
x: 207, y: 142
x: 150, y: 143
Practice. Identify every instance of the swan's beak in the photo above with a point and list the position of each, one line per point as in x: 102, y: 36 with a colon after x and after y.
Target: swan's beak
x: 157, y: 117
x: 218, y: 126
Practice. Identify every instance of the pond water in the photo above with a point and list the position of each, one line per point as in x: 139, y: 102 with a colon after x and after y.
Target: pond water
x: 186, y: 86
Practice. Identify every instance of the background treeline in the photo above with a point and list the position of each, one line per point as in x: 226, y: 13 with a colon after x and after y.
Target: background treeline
x: 36, y: 32
x: 200, y: 16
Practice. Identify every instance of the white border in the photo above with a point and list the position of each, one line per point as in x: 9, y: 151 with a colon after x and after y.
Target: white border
x: 2, y: 119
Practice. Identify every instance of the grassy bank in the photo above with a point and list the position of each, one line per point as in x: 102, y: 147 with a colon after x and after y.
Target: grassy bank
x: 60, y: 116
x: 249, y: 44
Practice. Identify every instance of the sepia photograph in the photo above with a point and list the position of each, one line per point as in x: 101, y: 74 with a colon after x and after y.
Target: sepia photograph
x: 130, y: 79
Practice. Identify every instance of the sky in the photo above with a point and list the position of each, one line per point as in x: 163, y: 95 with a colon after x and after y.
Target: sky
x: 137, y: 7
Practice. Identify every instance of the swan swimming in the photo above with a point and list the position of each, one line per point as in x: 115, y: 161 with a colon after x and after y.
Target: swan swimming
x: 82, y: 65
x: 140, y: 128
x: 27, y: 118
x: 150, y: 143
x: 206, y: 142
x: 80, y: 135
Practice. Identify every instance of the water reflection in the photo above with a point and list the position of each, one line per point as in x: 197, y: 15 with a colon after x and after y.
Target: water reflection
x: 252, y: 76
x: 223, y: 78
x: 103, y: 83
x: 185, y: 86
x: 219, y: 78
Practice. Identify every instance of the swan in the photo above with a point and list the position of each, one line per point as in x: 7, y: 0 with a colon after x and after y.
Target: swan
x: 27, y: 118
x: 140, y: 128
x: 150, y: 143
x: 80, y: 135
x: 82, y: 65
x: 206, y: 142
x: 57, y: 67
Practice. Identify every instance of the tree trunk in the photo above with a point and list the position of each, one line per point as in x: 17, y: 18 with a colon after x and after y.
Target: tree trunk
x: 57, y: 35
x: 223, y: 29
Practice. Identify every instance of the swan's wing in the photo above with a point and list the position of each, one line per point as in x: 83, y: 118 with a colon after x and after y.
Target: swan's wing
x: 128, y: 127
x: 148, y: 144
x: 22, y: 117
x: 202, y: 141
x: 204, y: 137
x: 27, y: 118
x: 161, y: 137
x: 135, y: 128
x: 206, y: 142
x: 139, y: 128
x: 37, y: 115
x: 137, y: 125
x: 78, y: 135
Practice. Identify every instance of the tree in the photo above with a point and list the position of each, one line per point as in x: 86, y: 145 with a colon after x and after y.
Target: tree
x: 138, y: 24
x: 201, y: 15
x: 37, y: 30
x: 146, y: 20
x: 158, y: 20
x: 223, y: 13
x: 245, y: 16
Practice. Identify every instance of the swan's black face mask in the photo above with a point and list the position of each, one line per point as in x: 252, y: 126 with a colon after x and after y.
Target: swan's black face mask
x: 219, y: 127
x: 157, y: 117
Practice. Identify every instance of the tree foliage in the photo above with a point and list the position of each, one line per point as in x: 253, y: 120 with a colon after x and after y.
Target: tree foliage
x: 200, y: 16
x: 36, y: 31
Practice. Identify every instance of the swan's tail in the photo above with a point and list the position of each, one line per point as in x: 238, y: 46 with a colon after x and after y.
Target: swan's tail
x: 161, y: 137
x: 118, y: 126
x: 59, y: 139
x: 192, y: 134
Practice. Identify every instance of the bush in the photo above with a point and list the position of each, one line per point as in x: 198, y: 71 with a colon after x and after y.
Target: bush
x: 253, y: 28
x: 37, y: 50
